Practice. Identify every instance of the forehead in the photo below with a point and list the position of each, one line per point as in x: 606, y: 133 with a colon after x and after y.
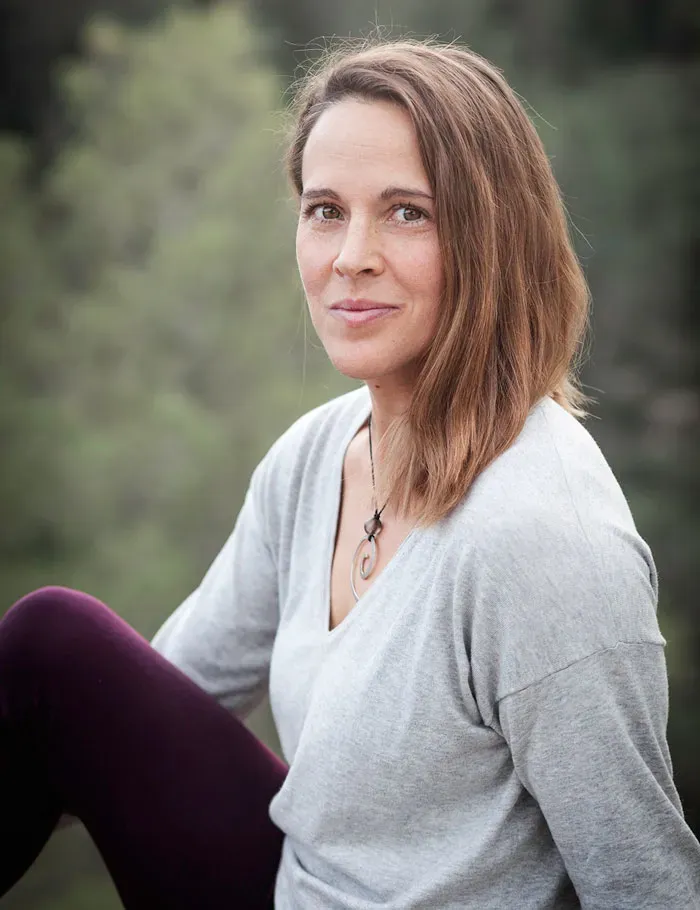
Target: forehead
x: 363, y: 142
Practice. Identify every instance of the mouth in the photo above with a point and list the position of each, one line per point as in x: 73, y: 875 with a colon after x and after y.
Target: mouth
x: 360, y: 312
x: 361, y: 303
x: 357, y: 316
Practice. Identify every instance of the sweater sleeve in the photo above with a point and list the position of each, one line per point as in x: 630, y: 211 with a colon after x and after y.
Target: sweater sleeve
x: 589, y: 744
x: 221, y: 636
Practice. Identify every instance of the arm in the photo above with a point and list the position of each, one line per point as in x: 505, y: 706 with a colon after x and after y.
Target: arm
x: 221, y: 636
x: 589, y: 743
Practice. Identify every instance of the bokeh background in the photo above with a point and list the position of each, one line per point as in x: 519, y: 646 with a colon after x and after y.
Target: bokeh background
x: 154, y: 340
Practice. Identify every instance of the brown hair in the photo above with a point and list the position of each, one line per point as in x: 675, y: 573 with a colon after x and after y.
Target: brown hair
x: 515, y: 305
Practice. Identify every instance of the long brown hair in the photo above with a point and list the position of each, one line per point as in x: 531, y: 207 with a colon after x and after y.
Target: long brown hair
x: 515, y: 307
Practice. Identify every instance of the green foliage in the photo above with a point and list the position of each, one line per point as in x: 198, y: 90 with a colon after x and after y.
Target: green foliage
x: 153, y: 335
x: 165, y: 325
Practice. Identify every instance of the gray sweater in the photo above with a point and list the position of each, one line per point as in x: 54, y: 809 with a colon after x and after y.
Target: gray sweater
x: 486, y: 730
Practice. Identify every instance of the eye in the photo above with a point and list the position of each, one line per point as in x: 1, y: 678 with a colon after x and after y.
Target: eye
x: 322, y: 211
x: 412, y: 214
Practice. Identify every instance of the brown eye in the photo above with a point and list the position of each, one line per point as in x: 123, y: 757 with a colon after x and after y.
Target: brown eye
x: 411, y: 214
x: 329, y: 211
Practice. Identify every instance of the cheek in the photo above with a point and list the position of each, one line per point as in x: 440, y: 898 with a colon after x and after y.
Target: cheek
x: 422, y: 270
x: 312, y: 261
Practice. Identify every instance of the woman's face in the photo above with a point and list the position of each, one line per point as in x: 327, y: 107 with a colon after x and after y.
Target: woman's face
x: 367, y: 237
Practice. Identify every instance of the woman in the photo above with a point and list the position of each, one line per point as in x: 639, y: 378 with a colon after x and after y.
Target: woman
x: 437, y: 572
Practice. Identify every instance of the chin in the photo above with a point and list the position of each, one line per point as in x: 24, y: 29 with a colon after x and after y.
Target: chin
x: 355, y: 366
x: 355, y: 370
x: 366, y: 366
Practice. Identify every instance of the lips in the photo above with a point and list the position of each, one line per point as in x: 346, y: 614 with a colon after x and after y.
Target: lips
x: 360, y: 305
x: 360, y: 312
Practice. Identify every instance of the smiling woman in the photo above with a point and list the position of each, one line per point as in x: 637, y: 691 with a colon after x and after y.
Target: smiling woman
x: 471, y: 695
x: 374, y: 234
x: 494, y: 303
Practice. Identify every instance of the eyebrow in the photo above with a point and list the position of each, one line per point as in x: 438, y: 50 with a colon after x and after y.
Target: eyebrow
x: 391, y: 192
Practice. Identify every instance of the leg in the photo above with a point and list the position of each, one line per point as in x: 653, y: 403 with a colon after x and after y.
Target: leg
x: 172, y: 788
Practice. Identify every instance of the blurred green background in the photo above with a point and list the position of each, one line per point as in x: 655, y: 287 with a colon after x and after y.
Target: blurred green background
x: 154, y: 339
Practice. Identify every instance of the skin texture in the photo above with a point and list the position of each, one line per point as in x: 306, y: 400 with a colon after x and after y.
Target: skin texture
x: 355, y: 243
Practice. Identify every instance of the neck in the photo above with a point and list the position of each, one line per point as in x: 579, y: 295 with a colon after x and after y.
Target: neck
x: 388, y: 403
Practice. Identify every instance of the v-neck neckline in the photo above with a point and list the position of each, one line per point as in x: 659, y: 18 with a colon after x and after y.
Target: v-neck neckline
x: 332, y: 531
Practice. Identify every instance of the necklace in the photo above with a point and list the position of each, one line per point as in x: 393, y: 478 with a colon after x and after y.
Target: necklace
x: 373, y: 527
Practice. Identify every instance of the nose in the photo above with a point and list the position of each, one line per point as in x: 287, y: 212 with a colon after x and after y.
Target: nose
x: 360, y: 252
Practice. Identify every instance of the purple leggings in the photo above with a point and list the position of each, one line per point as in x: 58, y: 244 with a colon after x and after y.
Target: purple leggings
x: 173, y: 789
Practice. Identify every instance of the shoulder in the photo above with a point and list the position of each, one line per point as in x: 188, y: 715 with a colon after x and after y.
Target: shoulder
x: 552, y: 566
x: 554, y: 462
x: 551, y: 492
x: 307, y: 448
x: 316, y: 430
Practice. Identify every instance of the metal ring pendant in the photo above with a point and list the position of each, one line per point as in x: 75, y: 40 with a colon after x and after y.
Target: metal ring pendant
x: 365, y: 570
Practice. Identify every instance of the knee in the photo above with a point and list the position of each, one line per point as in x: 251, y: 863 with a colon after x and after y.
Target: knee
x: 46, y: 606
x: 47, y: 620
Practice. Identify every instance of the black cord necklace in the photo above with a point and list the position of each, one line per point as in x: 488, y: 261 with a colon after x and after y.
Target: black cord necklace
x: 373, y: 527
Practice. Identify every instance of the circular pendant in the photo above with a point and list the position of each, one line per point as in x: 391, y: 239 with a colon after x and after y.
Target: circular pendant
x: 367, y: 563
